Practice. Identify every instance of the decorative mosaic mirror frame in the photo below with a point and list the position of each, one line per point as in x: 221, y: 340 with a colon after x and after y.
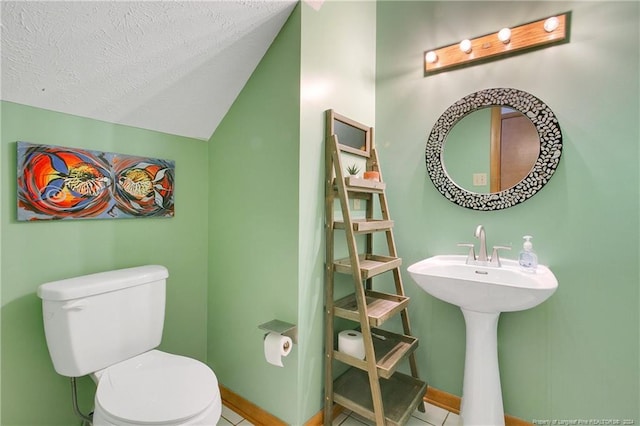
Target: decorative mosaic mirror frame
x: 545, y: 122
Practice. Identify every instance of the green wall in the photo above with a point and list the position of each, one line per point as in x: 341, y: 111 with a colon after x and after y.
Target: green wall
x: 575, y: 356
x: 253, y: 228
x: 266, y: 229
x: 34, y: 253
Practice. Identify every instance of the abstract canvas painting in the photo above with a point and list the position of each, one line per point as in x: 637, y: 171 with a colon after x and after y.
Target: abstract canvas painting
x: 55, y: 182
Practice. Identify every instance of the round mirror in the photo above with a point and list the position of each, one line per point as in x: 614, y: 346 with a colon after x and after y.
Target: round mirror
x: 493, y: 149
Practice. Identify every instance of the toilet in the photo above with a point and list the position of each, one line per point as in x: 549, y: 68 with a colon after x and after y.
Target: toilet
x: 108, y: 325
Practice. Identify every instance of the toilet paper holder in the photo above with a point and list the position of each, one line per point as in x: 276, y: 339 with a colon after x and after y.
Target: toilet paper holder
x: 281, y: 327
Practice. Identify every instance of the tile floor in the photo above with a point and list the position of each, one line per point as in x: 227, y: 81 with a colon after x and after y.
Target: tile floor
x: 230, y: 417
x: 433, y: 416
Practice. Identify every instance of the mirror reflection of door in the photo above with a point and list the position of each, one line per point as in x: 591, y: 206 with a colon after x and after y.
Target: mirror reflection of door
x: 515, y: 147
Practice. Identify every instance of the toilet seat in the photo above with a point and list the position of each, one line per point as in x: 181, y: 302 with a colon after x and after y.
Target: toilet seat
x: 156, y: 388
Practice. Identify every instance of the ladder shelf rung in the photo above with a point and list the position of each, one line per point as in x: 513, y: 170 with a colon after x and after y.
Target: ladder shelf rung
x: 380, y: 306
x: 401, y: 394
x: 366, y: 225
x: 370, y: 265
x: 390, y: 348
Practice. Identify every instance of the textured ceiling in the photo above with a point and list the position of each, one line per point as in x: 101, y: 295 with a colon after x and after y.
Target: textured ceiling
x: 171, y: 66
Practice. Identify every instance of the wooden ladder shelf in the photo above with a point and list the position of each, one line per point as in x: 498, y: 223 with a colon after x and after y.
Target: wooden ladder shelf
x: 372, y: 388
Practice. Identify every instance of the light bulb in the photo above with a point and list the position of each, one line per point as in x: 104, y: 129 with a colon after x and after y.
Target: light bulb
x: 465, y: 45
x: 504, y: 35
x: 551, y: 24
x: 431, y: 57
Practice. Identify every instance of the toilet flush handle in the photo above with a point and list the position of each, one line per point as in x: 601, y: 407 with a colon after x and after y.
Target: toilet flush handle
x: 76, y: 305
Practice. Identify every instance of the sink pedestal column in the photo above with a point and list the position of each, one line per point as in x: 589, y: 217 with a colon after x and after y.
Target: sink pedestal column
x: 481, y: 391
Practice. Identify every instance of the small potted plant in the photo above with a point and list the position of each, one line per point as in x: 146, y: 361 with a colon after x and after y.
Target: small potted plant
x: 353, y: 170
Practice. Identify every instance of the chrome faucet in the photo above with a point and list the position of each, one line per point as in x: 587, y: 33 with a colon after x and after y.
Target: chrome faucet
x: 482, y: 258
x: 482, y: 250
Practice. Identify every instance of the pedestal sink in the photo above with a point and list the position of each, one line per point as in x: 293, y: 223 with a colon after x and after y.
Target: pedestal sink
x: 482, y: 293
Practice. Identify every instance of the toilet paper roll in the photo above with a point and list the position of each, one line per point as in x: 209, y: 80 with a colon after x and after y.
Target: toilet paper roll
x: 350, y: 342
x: 275, y: 347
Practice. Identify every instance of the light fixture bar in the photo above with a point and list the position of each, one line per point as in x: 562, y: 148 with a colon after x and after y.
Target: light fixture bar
x: 489, y: 46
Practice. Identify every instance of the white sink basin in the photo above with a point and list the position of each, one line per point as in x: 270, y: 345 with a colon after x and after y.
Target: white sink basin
x: 482, y: 293
x: 483, y: 288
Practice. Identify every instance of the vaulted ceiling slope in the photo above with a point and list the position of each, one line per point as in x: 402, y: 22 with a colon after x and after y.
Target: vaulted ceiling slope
x: 170, y: 66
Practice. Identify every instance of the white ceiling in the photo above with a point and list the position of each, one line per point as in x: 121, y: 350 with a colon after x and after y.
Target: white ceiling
x: 170, y: 66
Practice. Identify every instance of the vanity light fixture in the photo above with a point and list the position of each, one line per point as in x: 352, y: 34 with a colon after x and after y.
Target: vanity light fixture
x: 508, y: 41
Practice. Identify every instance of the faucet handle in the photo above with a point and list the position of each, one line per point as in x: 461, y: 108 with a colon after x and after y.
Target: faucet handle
x: 471, y: 257
x: 495, y: 260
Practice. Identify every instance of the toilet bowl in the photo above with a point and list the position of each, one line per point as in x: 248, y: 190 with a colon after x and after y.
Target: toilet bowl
x: 156, y: 388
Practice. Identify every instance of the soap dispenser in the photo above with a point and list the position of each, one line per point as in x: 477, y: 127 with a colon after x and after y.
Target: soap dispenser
x: 528, y: 260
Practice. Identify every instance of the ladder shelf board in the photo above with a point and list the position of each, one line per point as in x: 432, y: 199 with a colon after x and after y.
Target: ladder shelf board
x: 359, y: 183
x: 380, y: 307
x: 366, y: 225
x: 355, y: 184
x: 401, y: 395
x: 390, y: 348
x: 370, y: 265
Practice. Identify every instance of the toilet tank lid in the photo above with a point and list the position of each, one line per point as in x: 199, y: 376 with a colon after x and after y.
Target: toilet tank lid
x: 102, y: 282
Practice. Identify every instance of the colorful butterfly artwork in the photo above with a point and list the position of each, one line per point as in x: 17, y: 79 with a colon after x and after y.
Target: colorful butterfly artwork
x: 68, y: 183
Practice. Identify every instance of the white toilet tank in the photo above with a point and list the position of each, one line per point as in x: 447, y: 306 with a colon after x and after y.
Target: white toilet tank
x: 94, y: 321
